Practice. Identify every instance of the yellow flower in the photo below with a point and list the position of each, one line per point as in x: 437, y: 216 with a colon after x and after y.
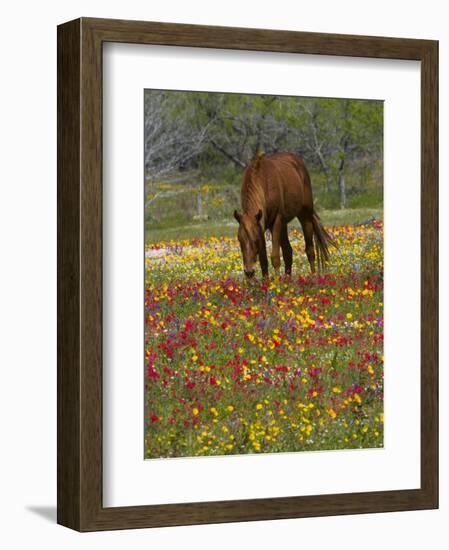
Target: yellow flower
x: 259, y: 406
x: 336, y: 390
x: 230, y: 408
x: 195, y: 411
x: 331, y: 413
x: 349, y: 316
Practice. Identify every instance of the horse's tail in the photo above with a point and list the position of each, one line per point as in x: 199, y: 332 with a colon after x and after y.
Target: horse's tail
x: 322, y: 241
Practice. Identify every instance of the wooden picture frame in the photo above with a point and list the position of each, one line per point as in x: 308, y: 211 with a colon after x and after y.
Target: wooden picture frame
x: 79, y: 472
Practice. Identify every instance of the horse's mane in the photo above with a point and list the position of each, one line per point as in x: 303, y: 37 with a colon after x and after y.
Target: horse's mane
x: 252, y: 194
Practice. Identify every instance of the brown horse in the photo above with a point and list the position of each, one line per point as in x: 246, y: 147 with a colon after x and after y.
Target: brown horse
x: 276, y: 189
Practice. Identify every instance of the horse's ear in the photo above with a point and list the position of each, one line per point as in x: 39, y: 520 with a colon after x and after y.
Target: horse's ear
x: 259, y: 216
x: 237, y: 216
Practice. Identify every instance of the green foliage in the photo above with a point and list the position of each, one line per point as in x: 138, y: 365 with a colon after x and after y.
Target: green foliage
x: 215, y: 135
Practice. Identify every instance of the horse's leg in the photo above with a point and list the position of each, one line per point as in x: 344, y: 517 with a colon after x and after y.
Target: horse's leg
x: 307, y: 227
x: 287, y: 252
x: 275, y: 244
x: 263, y: 260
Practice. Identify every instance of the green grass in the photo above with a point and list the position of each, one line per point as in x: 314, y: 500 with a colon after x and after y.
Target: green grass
x: 228, y: 227
x: 172, y: 208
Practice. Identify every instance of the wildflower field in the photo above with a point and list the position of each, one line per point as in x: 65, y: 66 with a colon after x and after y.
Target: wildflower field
x: 292, y: 364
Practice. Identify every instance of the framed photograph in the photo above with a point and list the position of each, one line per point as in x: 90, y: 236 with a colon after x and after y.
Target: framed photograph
x: 247, y: 274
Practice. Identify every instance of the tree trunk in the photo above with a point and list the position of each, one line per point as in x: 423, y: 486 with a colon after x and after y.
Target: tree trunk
x: 341, y: 185
x: 200, y: 215
x: 325, y: 169
x: 199, y: 205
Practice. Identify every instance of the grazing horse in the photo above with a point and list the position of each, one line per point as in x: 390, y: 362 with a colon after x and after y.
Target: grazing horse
x: 276, y: 189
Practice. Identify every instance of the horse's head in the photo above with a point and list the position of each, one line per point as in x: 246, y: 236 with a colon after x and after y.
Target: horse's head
x: 251, y: 239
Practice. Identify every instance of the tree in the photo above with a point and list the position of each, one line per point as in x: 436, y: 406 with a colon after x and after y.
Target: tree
x: 241, y: 125
x: 337, y: 131
x: 172, y: 137
x: 210, y: 131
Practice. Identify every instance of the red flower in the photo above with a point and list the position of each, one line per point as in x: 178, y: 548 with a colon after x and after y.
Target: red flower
x: 152, y: 372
